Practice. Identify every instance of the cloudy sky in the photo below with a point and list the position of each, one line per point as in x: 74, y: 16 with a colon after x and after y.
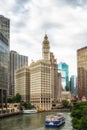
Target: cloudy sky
x: 64, y: 21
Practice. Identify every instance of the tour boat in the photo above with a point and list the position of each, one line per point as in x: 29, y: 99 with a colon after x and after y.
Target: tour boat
x: 55, y: 120
x: 32, y: 111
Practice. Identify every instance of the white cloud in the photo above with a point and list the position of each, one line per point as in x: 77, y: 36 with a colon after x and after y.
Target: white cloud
x: 64, y: 21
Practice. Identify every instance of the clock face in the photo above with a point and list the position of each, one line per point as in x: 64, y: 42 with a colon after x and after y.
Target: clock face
x: 46, y: 50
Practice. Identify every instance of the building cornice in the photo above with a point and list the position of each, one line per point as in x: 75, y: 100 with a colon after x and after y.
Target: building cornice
x: 83, y: 48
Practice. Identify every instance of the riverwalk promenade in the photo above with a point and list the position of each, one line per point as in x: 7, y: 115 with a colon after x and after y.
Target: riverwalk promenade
x: 3, y: 115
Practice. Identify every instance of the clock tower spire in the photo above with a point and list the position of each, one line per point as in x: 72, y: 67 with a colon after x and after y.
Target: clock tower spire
x: 46, y: 48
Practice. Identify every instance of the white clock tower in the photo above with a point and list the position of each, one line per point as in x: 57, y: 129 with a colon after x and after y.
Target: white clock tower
x: 46, y: 48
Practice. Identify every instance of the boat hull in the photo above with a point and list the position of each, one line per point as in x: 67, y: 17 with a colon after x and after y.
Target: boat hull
x: 54, y: 120
x: 54, y: 124
x: 29, y: 111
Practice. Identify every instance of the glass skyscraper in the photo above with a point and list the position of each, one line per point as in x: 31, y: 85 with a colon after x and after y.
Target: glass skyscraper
x: 4, y: 60
x: 64, y: 70
x: 5, y: 27
x: 73, y: 84
x: 4, y: 49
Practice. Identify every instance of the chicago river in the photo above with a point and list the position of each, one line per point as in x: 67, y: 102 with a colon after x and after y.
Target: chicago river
x: 32, y: 122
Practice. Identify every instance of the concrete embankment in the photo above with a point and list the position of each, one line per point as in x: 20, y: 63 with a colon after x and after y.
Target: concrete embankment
x: 3, y: 115
x: 62, y: 110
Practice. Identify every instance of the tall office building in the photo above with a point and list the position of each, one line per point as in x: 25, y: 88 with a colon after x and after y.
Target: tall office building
x: 73, y: 84
x: 40, y: 85
x: 54, y: 76
x: 59, y: 88
x: 82, y: 71
x: 22, y: 83
x: 49, y: 57
x: 16, y: 62
x: 4, y: 59
x: 64, y: 70
x: 44, y: 79
x: 5, y: 27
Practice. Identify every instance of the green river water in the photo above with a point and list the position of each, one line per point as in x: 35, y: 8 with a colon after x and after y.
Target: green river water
x: 32, y: 122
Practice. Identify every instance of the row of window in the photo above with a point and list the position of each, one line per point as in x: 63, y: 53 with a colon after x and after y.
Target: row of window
x: 3, y: 65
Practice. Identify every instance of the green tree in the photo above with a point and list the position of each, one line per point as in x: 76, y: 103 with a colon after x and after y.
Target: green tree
x: 9, y: 100
x: 18, y: 98
x: 76, y: 114
x: 65, y: 103
x: 75, y: 123
x: 13, y: 99
x: 27, y: 105
x: 79, y: 116
x: 83, y: 124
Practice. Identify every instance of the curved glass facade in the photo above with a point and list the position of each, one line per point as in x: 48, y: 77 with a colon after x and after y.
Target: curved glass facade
x: 4, y: 61
x: 4, y: 58
x: 64, y: 70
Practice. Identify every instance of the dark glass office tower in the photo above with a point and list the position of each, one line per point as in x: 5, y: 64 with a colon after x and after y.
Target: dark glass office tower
x: 73, y: 84
x: 4, y: 70
x: 5, y: 27
x: 4, y: 60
